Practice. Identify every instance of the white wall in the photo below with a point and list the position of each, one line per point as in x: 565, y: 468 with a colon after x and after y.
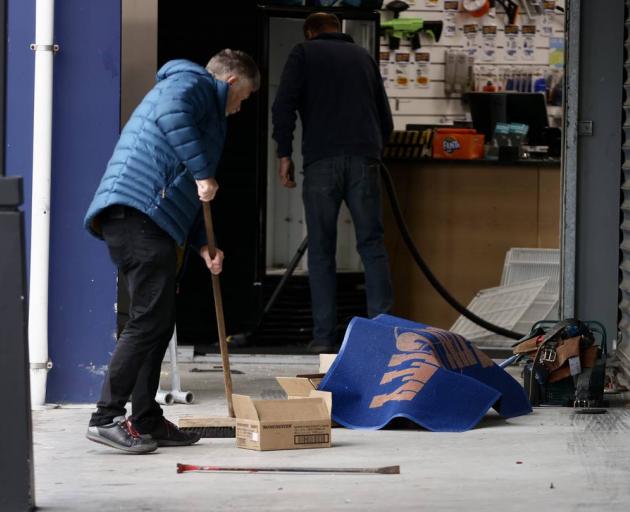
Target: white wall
x: 430, y: 105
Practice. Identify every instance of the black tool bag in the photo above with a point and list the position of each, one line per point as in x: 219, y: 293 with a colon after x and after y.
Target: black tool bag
x: 566, y: 365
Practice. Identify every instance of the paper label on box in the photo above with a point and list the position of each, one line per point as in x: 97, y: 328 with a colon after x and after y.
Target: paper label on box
x: 247, y: 435
x: 311, y: 434
x: 311, y: 439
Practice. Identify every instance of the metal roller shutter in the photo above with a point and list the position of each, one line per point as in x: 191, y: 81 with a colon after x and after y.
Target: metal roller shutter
x: 624, y: 286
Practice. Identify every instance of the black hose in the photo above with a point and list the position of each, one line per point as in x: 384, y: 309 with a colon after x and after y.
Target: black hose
x: 288, y: 273
x: 404, y: 231
x: 240, y: 339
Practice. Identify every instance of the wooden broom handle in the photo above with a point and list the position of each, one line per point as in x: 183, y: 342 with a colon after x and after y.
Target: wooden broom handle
x: 218, y: 305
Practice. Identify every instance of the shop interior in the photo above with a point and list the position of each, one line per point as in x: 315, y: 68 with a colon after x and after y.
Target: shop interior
x: 475, y: 90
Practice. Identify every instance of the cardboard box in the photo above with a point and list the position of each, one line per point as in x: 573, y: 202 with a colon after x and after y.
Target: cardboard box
x: 283, y: 424
x: 300, y: 386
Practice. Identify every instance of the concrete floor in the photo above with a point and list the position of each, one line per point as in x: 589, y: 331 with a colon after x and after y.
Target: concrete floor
x: 552, y: 459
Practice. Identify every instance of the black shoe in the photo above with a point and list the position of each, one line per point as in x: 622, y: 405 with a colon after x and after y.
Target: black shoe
x: 167, y: 434
x: 121, y: 435
x: 321, y: 347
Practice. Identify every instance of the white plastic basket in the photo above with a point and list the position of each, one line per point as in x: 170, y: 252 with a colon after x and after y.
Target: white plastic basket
x: 508, y: 306
x: 523, y: 264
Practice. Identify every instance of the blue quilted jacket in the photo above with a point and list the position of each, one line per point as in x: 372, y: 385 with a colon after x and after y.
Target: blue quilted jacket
x: 173, y: 137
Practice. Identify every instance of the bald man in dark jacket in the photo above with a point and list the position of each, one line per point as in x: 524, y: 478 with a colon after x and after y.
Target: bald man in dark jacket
x: 336, y: 88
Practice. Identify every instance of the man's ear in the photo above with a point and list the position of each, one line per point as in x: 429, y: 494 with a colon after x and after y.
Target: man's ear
x: 232, y: 79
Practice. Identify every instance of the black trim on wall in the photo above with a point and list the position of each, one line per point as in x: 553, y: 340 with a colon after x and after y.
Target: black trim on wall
x: 16, y: 462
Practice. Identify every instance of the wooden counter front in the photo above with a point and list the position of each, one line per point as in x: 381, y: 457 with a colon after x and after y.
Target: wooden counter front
x: 464, y: 217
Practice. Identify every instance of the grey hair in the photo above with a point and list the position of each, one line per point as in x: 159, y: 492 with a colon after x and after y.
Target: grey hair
x: 234, y: 62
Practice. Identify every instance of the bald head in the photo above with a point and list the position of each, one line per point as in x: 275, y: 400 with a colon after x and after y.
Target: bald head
x: 320, y: 22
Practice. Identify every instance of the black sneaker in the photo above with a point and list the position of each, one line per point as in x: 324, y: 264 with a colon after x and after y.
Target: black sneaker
x: 167, y: 434
x: 321, y: 347
x: 121, y: 435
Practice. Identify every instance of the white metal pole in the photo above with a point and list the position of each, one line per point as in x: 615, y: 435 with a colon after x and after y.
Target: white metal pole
x: 179, y: 396
x: 40, y: 210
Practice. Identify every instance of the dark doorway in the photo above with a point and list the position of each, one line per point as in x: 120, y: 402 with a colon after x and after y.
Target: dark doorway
x: 197, y: 32
x: 240, y: 209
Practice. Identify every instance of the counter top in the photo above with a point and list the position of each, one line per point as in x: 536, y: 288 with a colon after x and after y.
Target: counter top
x: 531, y: 162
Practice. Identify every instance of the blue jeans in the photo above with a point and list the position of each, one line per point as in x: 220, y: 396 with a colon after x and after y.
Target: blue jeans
x: 327, y: 182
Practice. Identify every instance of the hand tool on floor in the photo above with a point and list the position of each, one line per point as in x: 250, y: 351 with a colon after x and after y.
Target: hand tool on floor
x: 386, y: 470
x: 215, y: 427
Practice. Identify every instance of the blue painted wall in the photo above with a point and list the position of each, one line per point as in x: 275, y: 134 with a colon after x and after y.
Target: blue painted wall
x: 86, y: 120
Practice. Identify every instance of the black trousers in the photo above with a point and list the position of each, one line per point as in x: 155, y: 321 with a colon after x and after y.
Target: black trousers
x: 146, y: 256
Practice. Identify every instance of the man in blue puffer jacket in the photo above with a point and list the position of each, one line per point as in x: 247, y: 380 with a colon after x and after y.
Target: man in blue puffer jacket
x: 146, y: 204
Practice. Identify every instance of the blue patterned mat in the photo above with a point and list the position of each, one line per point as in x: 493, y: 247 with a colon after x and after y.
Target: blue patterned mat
x: 389, y: 367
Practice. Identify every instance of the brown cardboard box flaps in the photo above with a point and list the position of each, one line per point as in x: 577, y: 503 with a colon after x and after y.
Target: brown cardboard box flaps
x: 300, y: 386
x: 283, y: 424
